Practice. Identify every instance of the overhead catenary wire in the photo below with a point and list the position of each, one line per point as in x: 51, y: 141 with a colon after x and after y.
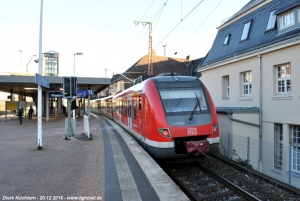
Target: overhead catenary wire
x: 201, y: 24
x: 147, y: 10
x: 159, y: 15
x: 156, y: 16
x: 145, y: 31
x: 130, y: 36
x: 135, y: 27
x: 141, y: 30
x: 179, y: 23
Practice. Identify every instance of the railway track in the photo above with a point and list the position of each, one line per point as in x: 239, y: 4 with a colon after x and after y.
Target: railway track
x: 199, y: 183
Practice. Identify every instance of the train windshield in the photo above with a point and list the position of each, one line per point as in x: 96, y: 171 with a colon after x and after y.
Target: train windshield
x: 182, y: 97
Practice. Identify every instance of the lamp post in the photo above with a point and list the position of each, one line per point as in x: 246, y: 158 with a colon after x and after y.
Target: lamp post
x: 28, y: 63
x: 39, y: 122
x: 21, y: 66
x: 77, y: 53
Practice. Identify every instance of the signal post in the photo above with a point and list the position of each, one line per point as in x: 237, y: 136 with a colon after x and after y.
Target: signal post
x: 70, y: 93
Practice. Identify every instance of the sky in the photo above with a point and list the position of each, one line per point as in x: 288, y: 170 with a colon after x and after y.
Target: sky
x: 105, y: 32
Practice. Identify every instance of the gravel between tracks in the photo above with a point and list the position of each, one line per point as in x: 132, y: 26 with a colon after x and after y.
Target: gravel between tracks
x: 249, y: 181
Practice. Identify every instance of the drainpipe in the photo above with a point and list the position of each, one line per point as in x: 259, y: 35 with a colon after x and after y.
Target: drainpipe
x: 240, y: 121
x: 260, y: 112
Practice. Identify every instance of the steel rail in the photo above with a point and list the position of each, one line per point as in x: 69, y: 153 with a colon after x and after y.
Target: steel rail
x: 229, y: 184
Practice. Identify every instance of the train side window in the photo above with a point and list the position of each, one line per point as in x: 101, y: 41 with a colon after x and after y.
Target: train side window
x: 140, y: 103
x: 134, y: 109
x: 129, y: 110
x: 121, y: 108
x: 125, y: 108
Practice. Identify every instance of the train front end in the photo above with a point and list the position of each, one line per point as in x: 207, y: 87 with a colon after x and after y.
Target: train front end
x: 189, y: 123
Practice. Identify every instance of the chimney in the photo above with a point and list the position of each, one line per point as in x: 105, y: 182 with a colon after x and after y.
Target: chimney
x: 153, y: 52
x: 189, y: 58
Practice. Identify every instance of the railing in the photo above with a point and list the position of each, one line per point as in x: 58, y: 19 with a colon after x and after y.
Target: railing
x: 277, y: 161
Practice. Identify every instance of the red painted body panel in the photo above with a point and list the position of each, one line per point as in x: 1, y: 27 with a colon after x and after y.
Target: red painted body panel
x: 155, y: 114
x: 147, y: 116
x: 213, y: 113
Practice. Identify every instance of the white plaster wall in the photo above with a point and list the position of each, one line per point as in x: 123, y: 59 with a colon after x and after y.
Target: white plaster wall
x: 246, y: 130
x: 212, y: 79
x: 225, y: 124
x: 281, y: 108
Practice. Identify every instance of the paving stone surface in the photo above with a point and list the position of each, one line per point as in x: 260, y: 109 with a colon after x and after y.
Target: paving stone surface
x: 63, y: 168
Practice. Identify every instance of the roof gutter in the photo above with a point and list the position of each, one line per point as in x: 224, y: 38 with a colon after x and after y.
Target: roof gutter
x: 265, y: 49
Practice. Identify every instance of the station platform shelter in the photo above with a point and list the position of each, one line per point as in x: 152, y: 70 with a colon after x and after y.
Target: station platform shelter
x: 52, y: 98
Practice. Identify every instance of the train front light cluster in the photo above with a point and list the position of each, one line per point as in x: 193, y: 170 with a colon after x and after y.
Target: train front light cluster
x: 164, y: 132
x: 215, y: 128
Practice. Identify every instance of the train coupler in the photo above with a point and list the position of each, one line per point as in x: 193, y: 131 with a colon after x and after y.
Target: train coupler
x: 197, y: 147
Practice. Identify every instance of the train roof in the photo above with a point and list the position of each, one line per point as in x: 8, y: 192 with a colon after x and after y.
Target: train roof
x: 170, y: 78
x: 164, y: 77
x: 139, y: 83
x: 103, y: 98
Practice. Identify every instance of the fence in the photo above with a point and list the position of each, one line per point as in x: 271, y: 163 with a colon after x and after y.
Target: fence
x: 277, y: 161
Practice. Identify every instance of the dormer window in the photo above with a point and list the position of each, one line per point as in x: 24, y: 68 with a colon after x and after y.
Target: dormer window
x: 272, y: 21
x: 287, y: 20
x: 298, y: 15
x: 226, y: 41
x: 246, y: 31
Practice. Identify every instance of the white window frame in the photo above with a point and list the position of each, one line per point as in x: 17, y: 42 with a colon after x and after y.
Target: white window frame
x: 227, y: 88
x: 278, y: 146
x: 51, y: 65
x: 246, y: 31
x: 298, y: 11
x: 287, y: 20
x: 283, y: 79
x: 272, y: 21
x: 247, y: 83
x: 295, y: 143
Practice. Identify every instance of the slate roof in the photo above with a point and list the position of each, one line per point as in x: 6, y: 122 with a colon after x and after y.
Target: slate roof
x: 249, y: 5
x: 258, y: 36
x: 161, y: 64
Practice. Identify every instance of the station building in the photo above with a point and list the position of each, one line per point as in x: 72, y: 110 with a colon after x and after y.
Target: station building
x: 252, y: 72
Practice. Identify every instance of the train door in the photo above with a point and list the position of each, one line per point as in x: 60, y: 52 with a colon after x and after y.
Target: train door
x: 142, y: 107
x: 119, y: 110
x: 129, y: 114
x: 114, y: 109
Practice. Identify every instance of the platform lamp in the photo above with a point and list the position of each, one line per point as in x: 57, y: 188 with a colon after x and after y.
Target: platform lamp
x: 29, y: 62
x: 77, y: 53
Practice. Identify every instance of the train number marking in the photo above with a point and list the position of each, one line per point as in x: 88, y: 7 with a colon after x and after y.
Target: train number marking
x: 178, y: 123
x: 192, y: 131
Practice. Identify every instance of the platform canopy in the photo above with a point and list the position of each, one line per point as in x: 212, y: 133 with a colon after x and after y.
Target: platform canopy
x: 26, y: 84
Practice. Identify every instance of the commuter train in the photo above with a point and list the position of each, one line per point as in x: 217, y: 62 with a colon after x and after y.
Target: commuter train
x: 171, y: 116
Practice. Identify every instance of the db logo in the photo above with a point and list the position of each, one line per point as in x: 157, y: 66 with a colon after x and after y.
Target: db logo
x: 192, y: 131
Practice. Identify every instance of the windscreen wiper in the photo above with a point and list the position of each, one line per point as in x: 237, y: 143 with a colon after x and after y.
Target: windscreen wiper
x: 194, y: 110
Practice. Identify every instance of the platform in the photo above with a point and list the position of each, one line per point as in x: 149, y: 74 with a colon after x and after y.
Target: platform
x: 112, y: 166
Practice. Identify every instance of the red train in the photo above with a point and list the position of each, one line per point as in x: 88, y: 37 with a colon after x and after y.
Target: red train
x: 170, y: 116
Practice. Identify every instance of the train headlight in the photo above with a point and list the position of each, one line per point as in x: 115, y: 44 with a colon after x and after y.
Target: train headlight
x: 164, y: 132
x: 215, y: 128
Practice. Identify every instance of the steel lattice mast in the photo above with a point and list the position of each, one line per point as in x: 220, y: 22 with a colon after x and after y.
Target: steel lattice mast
x: 150, y: 56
